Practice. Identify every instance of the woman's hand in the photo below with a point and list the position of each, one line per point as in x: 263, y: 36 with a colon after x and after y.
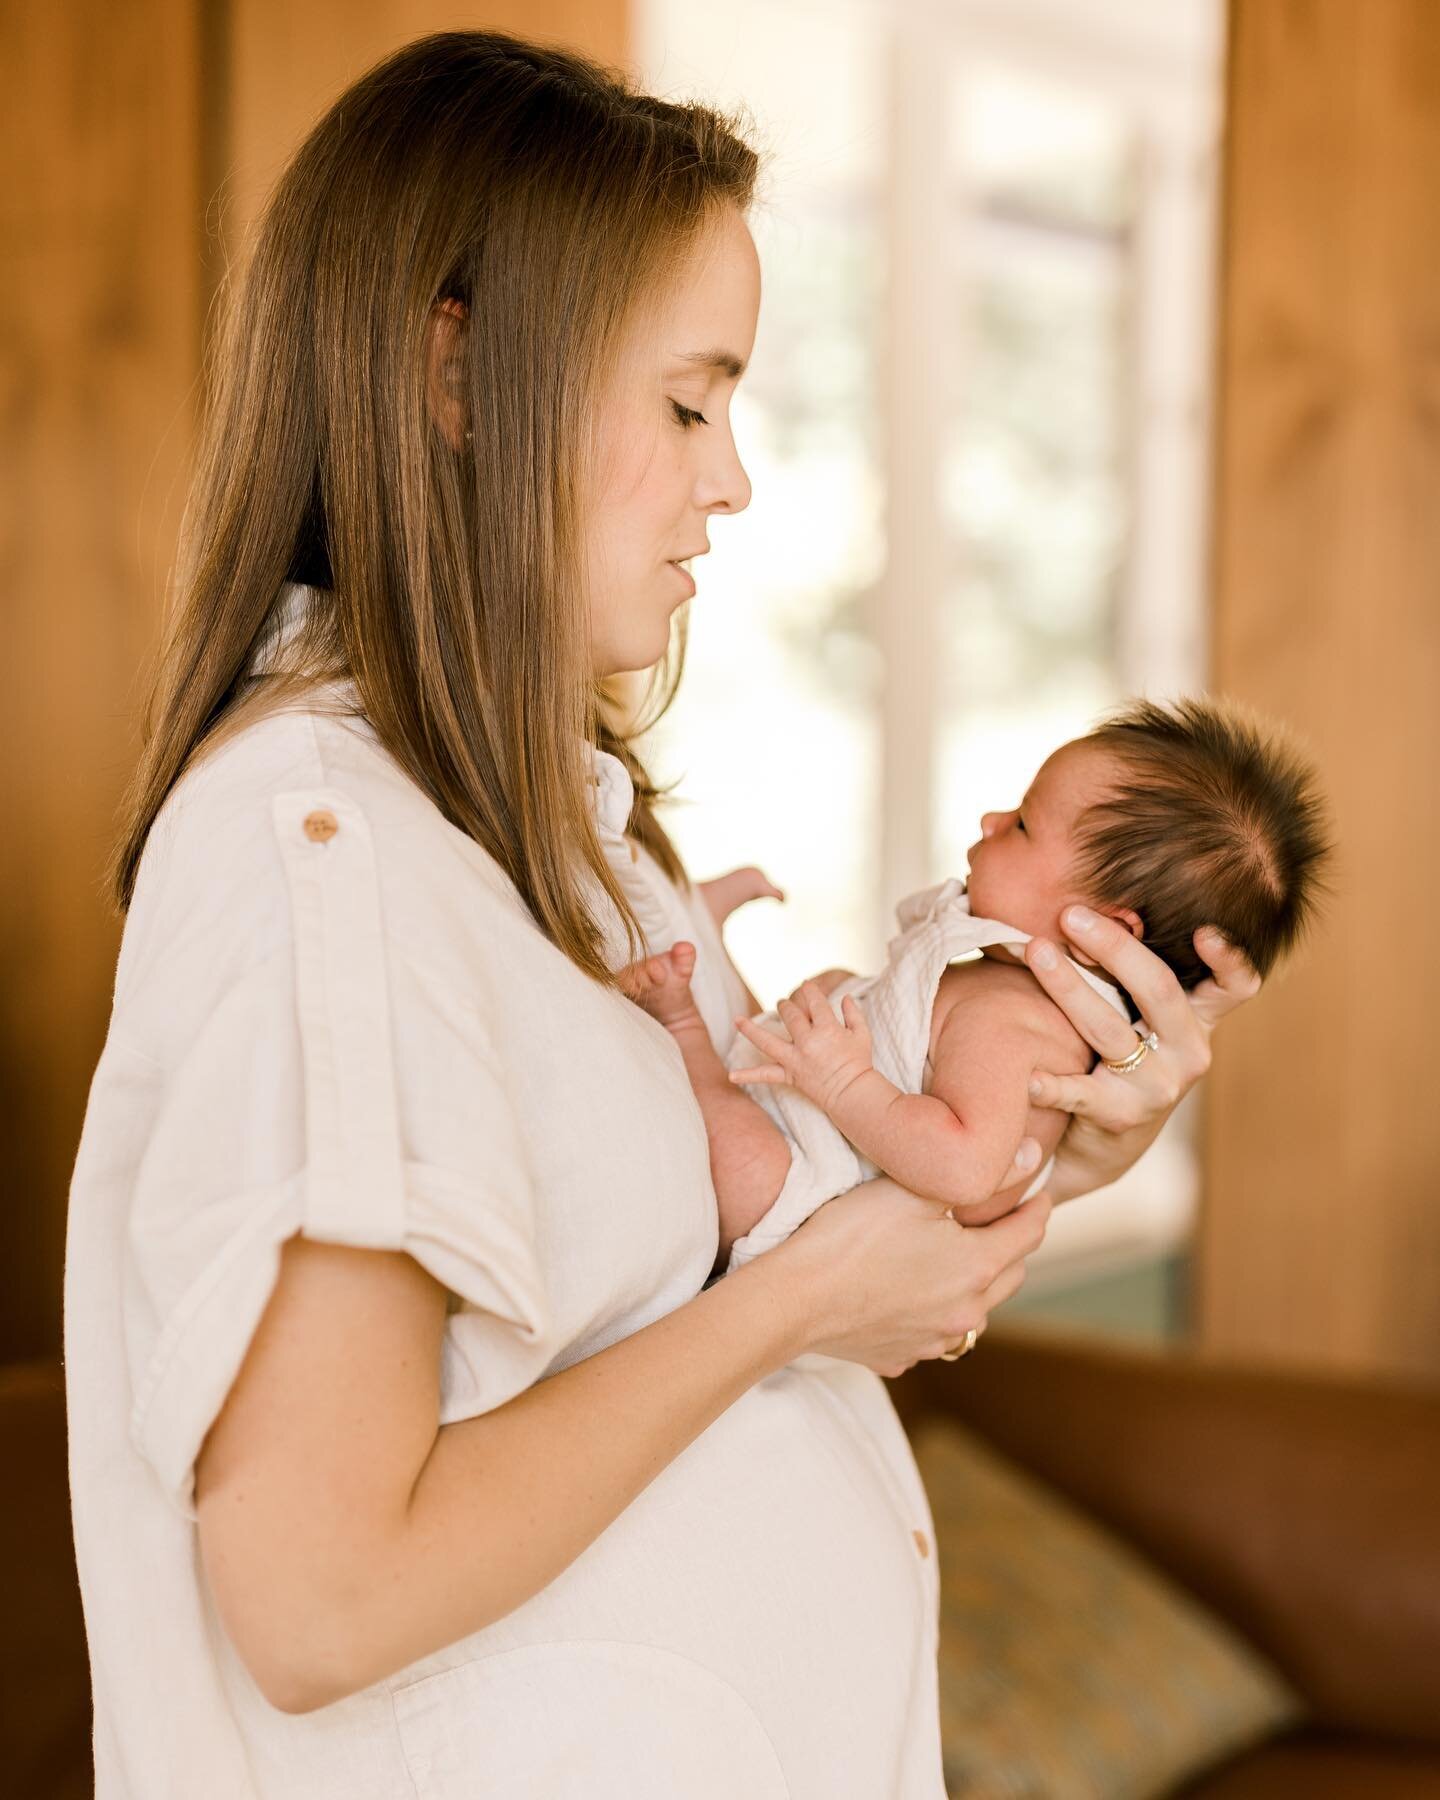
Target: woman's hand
x: 1116, y: 1117
x: 882, y: 1277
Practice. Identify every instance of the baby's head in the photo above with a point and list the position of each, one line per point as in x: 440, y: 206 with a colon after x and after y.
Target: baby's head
x: 1166, y: 818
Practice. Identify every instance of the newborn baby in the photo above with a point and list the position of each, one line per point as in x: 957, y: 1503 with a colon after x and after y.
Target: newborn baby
x: 1165, y: 818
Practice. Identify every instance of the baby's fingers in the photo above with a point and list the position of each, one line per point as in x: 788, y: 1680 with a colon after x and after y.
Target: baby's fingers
x: 763, y: 1040
x: 855, y: 1019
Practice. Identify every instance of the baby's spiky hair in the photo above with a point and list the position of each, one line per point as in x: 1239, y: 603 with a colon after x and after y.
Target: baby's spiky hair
x: 1214, y: 819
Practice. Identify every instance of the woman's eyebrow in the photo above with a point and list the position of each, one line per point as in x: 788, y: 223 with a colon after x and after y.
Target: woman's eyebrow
x: 725, y: 362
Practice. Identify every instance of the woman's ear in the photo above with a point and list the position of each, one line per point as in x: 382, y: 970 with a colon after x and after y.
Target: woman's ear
x: 449, y: 321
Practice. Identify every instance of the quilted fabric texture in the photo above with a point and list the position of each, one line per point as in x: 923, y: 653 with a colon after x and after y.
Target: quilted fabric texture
x: 1069, y: 1668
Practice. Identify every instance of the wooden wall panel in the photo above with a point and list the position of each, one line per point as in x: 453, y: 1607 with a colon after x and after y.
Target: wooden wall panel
x: 288, y: 62
x: 136, y: 142
x: 102, y: 280
x: 1320, y: 1234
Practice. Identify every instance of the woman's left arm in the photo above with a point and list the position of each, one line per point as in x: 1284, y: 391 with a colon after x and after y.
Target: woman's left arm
x: 1115, y: 1118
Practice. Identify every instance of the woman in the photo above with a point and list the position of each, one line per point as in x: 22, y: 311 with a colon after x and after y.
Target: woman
x: 410, y: 1451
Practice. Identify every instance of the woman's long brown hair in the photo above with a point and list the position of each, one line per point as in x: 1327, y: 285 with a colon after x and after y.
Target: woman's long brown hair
x: 557, y: 204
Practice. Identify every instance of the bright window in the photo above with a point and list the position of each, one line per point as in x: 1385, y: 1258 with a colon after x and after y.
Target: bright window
x: 975, y: 423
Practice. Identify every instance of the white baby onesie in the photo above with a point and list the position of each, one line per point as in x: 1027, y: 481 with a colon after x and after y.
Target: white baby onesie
x: 936, y: 929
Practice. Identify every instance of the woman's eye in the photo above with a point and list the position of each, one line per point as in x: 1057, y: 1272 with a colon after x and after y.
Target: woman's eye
x: 687, y: 416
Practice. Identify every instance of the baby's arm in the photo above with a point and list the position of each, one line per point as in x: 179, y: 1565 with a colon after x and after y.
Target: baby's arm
x: 749, y: 1157
x: 957, y: 1142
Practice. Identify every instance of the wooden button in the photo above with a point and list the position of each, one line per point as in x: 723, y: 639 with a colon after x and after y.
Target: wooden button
x: 321, y: 826
x: 922, y: 1543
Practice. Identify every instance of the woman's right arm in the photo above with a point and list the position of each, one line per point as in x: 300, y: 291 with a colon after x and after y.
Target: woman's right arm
x: 345, y: 1536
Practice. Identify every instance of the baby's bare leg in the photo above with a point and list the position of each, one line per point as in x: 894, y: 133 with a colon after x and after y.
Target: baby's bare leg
x: 749, y: 1158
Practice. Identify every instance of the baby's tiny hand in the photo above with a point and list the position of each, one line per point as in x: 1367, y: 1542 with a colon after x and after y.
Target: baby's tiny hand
x: 822, y: 1055
x: 726, y: 892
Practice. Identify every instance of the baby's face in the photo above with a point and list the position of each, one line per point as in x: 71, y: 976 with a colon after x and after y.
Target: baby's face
x: 1022, y: 869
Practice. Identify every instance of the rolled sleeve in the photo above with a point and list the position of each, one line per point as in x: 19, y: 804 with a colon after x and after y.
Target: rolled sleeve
x: 336, y: 1088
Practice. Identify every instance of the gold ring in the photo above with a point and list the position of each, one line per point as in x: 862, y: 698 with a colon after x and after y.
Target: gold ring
x: 969, y: 1343
x: 1137, y: 1056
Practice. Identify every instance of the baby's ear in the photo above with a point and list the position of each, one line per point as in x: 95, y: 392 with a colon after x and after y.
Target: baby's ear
x: 1122, y: 915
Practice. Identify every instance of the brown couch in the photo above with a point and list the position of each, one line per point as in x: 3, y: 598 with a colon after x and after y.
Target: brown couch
x: 1303, y: 1511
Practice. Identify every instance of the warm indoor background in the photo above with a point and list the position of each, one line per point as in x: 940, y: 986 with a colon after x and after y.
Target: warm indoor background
x: 1099, y: 353
x: 1051, y: 402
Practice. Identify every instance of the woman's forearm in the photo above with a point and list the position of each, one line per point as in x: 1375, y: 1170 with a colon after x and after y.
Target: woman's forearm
x: 508, y: 1500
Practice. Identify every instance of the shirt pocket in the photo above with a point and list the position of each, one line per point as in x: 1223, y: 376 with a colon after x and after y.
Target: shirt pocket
x: 591, y: 1720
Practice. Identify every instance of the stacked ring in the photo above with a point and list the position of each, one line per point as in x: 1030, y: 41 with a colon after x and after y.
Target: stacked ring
x: 1143, y: 1047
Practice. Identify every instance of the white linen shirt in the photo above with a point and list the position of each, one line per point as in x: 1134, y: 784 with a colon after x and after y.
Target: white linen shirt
x: 334, y: 1015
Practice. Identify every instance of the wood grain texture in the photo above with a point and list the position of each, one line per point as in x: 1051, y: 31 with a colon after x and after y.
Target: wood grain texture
x: 102, y: 280
x: 137, y: 142
x: 1320, y: 1233
x: 288, y: 63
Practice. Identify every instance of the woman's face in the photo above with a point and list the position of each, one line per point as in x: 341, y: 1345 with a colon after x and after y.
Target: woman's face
x: 667, y: 456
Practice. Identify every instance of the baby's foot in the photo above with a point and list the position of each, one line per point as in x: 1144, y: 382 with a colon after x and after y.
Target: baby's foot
x: 726, y: 892
x: 661, y: 984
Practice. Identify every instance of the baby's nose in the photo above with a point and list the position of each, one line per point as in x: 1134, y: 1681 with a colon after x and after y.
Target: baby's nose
x: 990, y: 823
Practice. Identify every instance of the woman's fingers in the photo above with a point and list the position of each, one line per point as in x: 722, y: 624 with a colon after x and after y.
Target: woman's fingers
x: 1027, y: 1160
x: 1004, y: 1287
x: 1162, y: 1001
x: 1109, y: 1104
x: 1149, y: 982
x: 1090, y: 1013
x: 1018, y: 1235
x: 1062, y: 1093
x: 1231, y: 984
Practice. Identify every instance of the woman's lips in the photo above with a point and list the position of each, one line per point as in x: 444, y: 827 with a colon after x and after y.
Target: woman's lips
x: 684, y: 575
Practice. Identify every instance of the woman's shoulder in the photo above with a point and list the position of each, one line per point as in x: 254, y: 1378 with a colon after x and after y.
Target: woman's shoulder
x: 301, y: 808
x: 313, y: 738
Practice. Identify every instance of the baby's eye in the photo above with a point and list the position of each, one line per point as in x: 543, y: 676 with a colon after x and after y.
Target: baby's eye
x: 1020, y: 824
x: 687, y: 416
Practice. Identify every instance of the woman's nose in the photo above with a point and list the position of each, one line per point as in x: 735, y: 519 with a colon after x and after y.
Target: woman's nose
x: 726, y: 486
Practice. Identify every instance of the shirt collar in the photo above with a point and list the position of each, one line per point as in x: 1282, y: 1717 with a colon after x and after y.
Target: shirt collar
x: 614, y: 792
x: 284, y: 624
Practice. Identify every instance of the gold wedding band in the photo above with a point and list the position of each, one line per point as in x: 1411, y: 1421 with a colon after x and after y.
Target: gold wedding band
x: 1137, y: 1056
x: 969, y: 1345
